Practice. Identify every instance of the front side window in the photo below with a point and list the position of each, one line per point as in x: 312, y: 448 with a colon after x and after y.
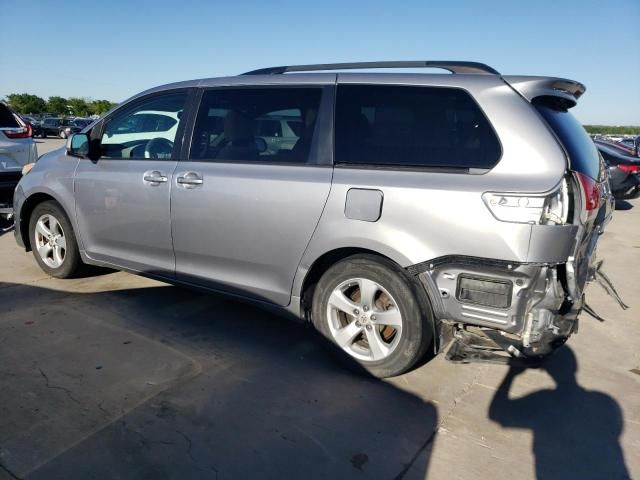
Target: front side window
x: 146, y: 130
x: 412, y: 127
x: 256, y: 125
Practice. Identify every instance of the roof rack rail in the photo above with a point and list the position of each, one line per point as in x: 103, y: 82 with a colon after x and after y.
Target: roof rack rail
x: 452, y: 66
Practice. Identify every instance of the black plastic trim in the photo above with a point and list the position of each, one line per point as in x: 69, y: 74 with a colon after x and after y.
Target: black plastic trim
x: 507, y: 265
x: 466, y: 276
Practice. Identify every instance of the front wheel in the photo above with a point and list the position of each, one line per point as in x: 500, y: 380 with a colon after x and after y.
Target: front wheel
x: 374, y: 312
x: 53, y: 241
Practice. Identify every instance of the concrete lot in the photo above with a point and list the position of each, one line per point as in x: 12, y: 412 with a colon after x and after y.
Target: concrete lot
x: 117, y: 376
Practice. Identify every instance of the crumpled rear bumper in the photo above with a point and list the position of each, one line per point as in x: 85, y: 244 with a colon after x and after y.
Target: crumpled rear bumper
x: 528, y: 302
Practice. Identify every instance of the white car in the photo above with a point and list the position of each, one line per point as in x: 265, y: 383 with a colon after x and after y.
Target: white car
x: 17, y: 149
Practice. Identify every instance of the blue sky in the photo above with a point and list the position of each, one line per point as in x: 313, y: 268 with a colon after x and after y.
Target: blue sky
x: 116, y: 48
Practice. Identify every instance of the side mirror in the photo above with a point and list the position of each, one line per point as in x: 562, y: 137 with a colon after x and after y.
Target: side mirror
x: 261, y: 144
x: 78, y: 145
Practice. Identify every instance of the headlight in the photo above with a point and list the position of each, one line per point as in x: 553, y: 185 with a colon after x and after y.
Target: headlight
x: 27, y: 168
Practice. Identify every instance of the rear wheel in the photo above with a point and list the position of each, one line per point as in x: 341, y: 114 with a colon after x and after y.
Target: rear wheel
x: 53, y: 241
x: 374, y: 312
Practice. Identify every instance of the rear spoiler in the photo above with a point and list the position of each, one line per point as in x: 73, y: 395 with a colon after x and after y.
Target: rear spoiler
x: 567, y: 91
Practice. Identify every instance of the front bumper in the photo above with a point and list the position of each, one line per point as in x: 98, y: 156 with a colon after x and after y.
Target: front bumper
x: 18, y: 201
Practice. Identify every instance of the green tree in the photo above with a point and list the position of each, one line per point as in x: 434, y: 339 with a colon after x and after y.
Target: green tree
x: 57, y: 105
x: 78, y: 106
x: 608, y: 129
x: 98, y: 107
x: 26, y: 103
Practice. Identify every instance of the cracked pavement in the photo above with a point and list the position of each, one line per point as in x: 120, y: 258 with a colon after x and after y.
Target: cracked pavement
x: 117, y: 376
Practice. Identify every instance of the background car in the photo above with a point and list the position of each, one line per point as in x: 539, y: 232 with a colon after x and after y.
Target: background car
x: 624, y: 171
x: 17, y: 149
x: 280, y: 132
x: 628, y: 142
x: 50, y: 127
x: 616, y: 146
x: 72, y: 126
x: 29, y: 119
x: 34, y: 122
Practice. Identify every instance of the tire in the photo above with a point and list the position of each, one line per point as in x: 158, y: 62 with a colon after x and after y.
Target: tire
x: 43, y: 134
x: 62, y: 134
x: 399, y: 319
x: 66, y: 263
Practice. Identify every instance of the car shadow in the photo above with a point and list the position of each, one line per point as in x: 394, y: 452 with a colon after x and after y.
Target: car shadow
x: 269, y: 401
x: 623, y: 205
x: 576, y: 432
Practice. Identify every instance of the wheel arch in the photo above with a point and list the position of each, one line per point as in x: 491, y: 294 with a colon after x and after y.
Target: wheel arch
x: 27, y: 209
x: 322, y: 263
x: 325, y: 261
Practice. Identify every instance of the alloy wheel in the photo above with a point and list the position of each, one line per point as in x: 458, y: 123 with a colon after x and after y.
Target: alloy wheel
x: 50, y: 241
x: 364, y: 319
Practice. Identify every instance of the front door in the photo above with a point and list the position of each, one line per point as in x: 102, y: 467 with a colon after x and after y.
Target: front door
x: 243, y: 209
x: 123, y: 198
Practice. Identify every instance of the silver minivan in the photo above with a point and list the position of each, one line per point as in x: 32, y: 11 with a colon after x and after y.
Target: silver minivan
x: 407, y: 214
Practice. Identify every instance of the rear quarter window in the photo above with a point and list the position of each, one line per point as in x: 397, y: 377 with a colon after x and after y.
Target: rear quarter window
x: 409, y: 126
x: 583, y: 154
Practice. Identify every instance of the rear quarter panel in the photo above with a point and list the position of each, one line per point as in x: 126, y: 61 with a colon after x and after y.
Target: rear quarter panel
x: 429, y: 214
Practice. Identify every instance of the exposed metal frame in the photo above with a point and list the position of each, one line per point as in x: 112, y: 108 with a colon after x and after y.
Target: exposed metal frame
x: 451, y: 66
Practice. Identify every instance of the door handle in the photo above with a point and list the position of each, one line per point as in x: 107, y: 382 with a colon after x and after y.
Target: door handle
x: 190, y: 180
x: 154, y: 177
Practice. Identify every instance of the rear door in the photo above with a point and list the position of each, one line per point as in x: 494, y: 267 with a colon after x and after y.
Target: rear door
x: 243, y: 210
x: 123, y: 198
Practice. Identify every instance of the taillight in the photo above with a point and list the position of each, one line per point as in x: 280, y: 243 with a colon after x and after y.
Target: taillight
x: 550, y: 209
x: 19, y: 132
x: 590, y: 190
x: 630, y: 168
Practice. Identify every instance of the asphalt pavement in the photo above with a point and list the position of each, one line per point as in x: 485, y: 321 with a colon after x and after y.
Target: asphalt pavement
x: 117, y: 376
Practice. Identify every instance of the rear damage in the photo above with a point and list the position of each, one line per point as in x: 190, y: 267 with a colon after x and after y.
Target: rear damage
x: 496, y: 310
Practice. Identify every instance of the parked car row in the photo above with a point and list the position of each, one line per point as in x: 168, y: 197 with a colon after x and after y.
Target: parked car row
x: 624, y: 170
x: 630, y: 145
x: 56, y: 126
